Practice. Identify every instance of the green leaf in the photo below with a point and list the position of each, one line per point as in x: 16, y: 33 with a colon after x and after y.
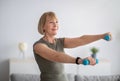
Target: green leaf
x: 94, y: 50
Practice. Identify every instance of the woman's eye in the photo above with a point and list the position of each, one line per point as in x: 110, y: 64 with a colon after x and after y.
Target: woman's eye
x: 54, y: 22
x: 51, y: 22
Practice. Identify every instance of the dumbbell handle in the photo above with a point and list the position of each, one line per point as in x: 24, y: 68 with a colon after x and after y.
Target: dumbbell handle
x: 87, y: 62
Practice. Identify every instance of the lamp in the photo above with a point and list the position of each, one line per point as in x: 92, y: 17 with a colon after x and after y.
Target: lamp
x: 22, y: 47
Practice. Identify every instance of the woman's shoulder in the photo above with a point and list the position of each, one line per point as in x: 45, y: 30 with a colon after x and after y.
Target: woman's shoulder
x: 38, y: 41
x: 60, y: 40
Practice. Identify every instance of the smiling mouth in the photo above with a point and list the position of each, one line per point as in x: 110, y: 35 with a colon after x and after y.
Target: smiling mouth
x: 54, y: 29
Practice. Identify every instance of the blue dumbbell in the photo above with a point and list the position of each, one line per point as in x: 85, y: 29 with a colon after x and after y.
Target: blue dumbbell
x: 107, y: 37
x: 87, y: 62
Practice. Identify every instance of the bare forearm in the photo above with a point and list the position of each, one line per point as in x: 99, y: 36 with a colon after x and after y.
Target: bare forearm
x: 62, y: 57
x: 83, y: 40
x: 86, y: 39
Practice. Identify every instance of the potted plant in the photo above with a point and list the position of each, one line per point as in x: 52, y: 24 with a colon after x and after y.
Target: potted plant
x: 94, y: 51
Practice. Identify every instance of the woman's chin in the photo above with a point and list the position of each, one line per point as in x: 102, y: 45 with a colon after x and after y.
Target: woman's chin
x: 54, y: 33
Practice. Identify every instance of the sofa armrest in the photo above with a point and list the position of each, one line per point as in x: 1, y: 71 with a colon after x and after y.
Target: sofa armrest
x: 71, y: 77
x: 25, y: 77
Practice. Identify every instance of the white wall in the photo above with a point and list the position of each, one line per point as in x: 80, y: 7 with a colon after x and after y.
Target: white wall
x: 19, y: 19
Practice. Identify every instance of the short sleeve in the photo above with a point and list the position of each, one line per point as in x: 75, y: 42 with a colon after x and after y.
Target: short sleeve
x: 61, y: 40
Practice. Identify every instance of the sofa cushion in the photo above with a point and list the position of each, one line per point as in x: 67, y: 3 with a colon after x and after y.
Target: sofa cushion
x: 98, y: 78
x: 71, y: 77
x: 25, y: 77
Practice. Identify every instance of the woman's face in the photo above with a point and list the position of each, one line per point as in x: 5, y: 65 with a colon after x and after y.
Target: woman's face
x: 51, y: 26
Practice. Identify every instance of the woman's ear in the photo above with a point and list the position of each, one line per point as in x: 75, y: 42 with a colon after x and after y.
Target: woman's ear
x: 43, y: 28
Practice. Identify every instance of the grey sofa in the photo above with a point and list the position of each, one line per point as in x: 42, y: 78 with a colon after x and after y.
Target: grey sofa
x: 71, y: 77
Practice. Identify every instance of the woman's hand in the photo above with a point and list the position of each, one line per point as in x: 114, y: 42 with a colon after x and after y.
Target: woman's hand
x: 109, y: 34
x: 92, y: 60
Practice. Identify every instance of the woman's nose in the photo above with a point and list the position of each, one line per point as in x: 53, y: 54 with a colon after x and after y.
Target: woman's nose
x: 55, y: 24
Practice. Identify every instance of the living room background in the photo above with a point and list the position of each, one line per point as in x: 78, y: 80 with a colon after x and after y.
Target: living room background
x: 19, y: 20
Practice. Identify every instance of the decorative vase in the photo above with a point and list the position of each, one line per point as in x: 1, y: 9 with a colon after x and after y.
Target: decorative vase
x: 94, y: 56
x: 22, y: 47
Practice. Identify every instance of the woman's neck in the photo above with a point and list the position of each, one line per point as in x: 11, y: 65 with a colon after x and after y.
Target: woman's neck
x: 50, y: 39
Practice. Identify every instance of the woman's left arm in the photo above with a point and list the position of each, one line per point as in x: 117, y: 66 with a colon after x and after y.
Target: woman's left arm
x: 83, y: 40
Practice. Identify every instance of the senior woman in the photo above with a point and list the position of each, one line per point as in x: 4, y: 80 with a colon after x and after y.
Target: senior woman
x: 49, y: 50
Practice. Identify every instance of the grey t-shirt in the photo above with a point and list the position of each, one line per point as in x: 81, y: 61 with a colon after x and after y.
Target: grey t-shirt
x: 51, y: 71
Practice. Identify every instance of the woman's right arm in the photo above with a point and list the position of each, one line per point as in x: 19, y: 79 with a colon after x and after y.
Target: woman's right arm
x: 52, y: 55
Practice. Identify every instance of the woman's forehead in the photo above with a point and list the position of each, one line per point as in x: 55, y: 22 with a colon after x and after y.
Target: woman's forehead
x: 51, y: 18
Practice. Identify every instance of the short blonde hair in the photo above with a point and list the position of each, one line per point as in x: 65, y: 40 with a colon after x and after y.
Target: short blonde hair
x: 42, y: 21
